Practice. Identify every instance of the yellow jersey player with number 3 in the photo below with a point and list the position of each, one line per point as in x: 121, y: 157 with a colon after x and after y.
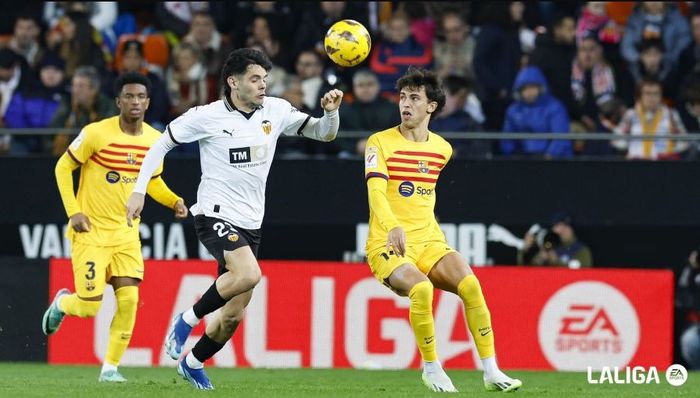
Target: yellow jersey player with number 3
x: 406, y: 250
x: 104, y: 247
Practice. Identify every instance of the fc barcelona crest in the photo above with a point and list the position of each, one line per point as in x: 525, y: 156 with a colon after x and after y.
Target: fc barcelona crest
x: 423, y: 166
x: 266, y: 127
x: 130, y: 158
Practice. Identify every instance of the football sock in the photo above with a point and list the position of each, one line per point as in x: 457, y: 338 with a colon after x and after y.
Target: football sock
x: 73, y: 305
x: 421, y: 317
x: 477, y: 314
x: 193, y: 362
x: 210, y: 301
x: 432, y: 366
x: 122, y: 323
x: 190, y: 318
x: 108, y: 366
x: 205, y: 348
x: 490, y: 367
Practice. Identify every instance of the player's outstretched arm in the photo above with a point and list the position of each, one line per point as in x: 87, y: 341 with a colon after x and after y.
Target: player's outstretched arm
x: 161, y: 193
x: 326, y: 128
x: 379, y: 205
x: 151, y: 163
x: 64, y: 179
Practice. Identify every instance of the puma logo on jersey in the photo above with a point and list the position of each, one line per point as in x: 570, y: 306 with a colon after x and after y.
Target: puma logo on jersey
x: 227, y: 132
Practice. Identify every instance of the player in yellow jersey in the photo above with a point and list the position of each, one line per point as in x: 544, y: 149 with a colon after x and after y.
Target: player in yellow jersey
x: 103, y: 248
x: 406, y: 249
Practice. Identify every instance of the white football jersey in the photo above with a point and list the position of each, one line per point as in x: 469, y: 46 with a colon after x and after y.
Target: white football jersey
x: 236, y: 150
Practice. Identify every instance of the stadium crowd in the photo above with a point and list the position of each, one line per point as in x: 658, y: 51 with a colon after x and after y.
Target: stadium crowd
x: 531, y: 67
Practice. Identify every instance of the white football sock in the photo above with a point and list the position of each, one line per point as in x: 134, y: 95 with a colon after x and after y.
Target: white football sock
x: 433, y: 366
x: 108, y: 366
x: 190, y: 318
x: 193, y: 362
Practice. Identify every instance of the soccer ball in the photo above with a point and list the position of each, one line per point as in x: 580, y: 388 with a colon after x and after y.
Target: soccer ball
x: 347, y: 42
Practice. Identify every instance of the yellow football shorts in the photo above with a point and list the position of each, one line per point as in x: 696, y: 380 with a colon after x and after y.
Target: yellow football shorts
x: 94, y: 266
x: 423, y: 255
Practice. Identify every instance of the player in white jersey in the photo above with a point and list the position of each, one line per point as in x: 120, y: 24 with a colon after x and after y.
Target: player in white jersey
x: 237, y: 138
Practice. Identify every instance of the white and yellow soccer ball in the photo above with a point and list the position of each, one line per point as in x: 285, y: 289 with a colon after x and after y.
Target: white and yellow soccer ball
x: 347, y: 42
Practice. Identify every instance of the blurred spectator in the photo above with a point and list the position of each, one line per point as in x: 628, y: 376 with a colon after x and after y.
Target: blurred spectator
x: 689, y: 106
x: 651, y: 65
x: 594, y: 20
x: 656, y: 20
x: 422, y: 23
x: 208, y: 41
x: 554, y: 54
x: 13, y: 75
x: 260, y: 32
x: 176, y: 16
x: 315, y: 21
x: 368, y: 112
x: 594, y: 82
x: 236, y: 17
x: 309, y: 68
x: 25, y: 39
x: 294, y: 93
x: 85, y: 106
x: 689, y: 59
x: 158, y: 112
x: 453, y: 118
x: 526, y: 36
x: 558, y: 246
x: 392, y: 56
x: 535, y: 111
x: 102, y: 14
x: 187, y: 80
x: 454, y: 55
x: 34, y: 105
x: 688, y: 302
x: 650, y: 117
x: 496, y: 61
x: 74, y: 41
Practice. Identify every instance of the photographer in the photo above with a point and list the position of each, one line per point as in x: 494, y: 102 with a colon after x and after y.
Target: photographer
x: 688, y: 310
x: 556, y: 247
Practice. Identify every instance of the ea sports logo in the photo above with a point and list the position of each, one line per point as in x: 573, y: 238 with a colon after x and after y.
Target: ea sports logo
x: 406, y: 188
x: 676, y: 375
x: 588, y: 324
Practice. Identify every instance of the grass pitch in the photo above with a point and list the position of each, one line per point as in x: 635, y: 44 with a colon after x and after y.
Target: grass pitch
x: 40, y: 380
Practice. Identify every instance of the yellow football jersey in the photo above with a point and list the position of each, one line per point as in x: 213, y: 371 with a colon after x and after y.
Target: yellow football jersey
x: 411, y: 170
x: 110, y: 162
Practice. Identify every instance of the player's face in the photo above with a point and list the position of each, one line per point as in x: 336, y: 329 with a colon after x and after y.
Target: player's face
x: 414, y: 106
x: 133, y: 101
x: 250, y: 87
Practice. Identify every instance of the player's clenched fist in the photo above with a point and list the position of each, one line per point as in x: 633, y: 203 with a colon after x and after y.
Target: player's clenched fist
x: 133, y: 207
x: 331, y: 100
x: 180, y: 209
x: 80, y: 222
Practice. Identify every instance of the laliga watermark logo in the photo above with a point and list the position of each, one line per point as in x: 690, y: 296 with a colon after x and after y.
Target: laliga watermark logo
x: 676, y: 375
x: 588, y: 324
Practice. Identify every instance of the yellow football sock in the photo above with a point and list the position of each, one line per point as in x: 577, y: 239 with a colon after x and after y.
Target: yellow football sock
x: 478, y: 316
x: 421, y: 317
x: 74, y: 305
x: 122, y: 323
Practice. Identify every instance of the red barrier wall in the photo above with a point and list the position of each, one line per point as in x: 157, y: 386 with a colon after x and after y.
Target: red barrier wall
x: 328, y: 314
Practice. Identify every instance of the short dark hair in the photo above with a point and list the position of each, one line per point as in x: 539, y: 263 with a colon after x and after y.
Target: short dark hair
x: 649, y: 44
x: 416, y: 78
x: 648, y: 81
x: 237, y: 63
x: 454, y: 83
x: 131, y: 78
